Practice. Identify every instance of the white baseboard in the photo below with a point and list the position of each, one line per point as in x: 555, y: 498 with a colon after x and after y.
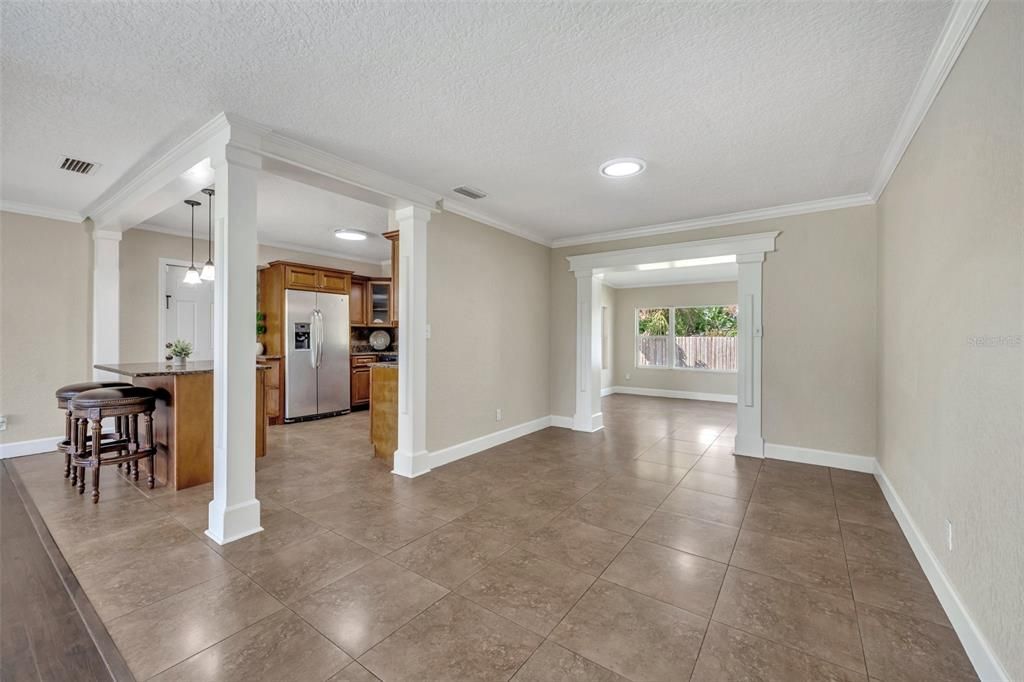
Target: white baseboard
x: 836, y: 460
x: 607, y: 390
x: 471, y: 447
x: 29, y: 447
x: 561, y: 422
x: 986, y: 663
x: 666, y: 393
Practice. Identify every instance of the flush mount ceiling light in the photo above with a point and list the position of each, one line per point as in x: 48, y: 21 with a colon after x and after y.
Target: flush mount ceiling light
x: 622, y: 168
x: 350, y: 235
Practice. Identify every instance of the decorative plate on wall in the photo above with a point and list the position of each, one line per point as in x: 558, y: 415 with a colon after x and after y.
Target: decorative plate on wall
x: 380, y: 339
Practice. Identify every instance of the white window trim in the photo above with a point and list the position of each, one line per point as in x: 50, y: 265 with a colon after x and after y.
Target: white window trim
x: 671, y: 337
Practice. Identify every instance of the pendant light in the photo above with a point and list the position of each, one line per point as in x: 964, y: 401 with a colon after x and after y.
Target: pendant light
x: 192, y: 275
x: 207, y: 273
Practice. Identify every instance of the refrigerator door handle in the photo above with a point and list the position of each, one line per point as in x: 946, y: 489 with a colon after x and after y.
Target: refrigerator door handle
x: 313, y: 336
x: 319, y: 338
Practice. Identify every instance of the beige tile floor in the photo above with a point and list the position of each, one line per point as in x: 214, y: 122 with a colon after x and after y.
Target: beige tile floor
x: 643, y: 552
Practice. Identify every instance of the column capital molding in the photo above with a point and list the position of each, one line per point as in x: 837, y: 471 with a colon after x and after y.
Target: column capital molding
x: 584, y: 273
x: 414, y: 213
x: 106, y: 235
x: 750, y: 258
x: 235, y: 155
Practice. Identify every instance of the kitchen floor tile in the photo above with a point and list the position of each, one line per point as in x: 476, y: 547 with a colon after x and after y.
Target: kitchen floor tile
x: 900, y: 588
x: 452, y: 640
x: 367, y: 605
x: 450, y: 554
x: 158, y: 636
x: 703, y: 538
x: 528, y: 590
x: 576, y: 544
x: 552, y: 663
x: 684, y: 580
x: 817, y: 564
x: 729, y: 654
x: 306, y: 566
x: 705, y: 506
x: 717, y: 484
x: 794, y: 526
x: 736, y: 466
x: 631, y: 634
x: 612, y: 513
x: 906, y: 649
x: 279, y: 647
x: 812, y: 621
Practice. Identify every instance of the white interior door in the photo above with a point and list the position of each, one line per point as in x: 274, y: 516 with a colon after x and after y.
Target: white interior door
x: 188, y: 313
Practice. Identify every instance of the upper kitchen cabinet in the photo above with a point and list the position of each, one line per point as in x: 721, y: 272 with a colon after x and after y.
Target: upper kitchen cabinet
x: 357, y: 302
x: 379, y: 302
x: 393, y: 238
x: 307, y: 278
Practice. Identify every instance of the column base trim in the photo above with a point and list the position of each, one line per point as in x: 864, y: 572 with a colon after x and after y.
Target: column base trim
x: 751, y: 446
x: 228, y: 524
x: 411, y: 465
x: 591, y: 424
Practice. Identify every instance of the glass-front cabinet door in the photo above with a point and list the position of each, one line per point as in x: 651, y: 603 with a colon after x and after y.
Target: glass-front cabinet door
x: 380, y: 303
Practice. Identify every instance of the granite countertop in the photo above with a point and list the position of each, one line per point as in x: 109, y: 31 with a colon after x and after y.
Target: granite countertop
x: 384, y: 364
x: 156, y: 369
x: 374, y: 352
x: 160, y: 369
x: 268, y: 357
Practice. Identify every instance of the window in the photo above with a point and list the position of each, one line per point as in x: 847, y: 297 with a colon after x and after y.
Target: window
x: 700, y: 338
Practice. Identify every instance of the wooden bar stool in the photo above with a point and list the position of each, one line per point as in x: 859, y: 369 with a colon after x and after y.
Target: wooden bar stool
x: 125, y: 404
x: 65, y: 394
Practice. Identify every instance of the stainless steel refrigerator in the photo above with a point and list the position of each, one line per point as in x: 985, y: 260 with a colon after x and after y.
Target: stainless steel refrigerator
x: 317, y: 361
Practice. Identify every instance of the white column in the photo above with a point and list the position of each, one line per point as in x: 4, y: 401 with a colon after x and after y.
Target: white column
x: 106, y: 300
x: 411, y: 455
x: 588, y: 415
x: 748, y: 408
x: 234, y: 512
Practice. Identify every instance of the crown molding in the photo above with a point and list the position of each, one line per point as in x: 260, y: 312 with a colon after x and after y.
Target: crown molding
x: 149, y: 227
x: 959, y: 26
x: 465, y: 211
x: 783, y: 211
x: 41, y: 211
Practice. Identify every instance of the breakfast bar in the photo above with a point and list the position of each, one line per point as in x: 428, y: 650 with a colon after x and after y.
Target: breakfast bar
x: 183, y: 420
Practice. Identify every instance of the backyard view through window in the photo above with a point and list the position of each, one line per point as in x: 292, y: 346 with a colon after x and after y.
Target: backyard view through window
x: 701, y: 337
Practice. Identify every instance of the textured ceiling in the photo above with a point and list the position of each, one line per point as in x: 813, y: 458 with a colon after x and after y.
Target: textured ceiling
x: 291, y: 213
x: 735, y: 106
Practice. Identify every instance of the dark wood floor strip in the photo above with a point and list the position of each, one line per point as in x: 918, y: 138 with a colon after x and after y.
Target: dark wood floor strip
x: 49, y: 629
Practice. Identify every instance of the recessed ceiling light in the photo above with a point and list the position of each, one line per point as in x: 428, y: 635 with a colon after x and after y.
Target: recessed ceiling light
x: 350, y: 235
x: 622, y: 168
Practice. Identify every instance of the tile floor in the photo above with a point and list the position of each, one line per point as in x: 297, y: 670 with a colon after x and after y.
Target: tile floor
x: 644, y: 552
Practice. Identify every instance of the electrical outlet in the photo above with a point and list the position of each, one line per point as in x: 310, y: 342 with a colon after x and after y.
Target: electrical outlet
x: 628, y: 376
x: 428, y: 331
x: 3, y: 422
x: 497, y: 415
x: 949, y: 535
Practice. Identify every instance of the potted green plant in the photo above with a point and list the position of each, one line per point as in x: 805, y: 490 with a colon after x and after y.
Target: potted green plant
x: 179, y: 352
x: 261, y: 329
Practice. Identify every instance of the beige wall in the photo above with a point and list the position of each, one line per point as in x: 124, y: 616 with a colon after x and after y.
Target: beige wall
x: 141, y: 251
x: 819, y: 378
x: 951, y: 268
x: 487, y: 306
x: 45, y: 308
x: 628, y: 300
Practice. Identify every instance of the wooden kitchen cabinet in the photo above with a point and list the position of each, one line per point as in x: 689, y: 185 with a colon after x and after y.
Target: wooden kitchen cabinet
x: 357, y: 301
x: 308, y: 278
x: 360, y: 380
x: 272, y: 378
x: 378, y: 303
x: 395, y: 260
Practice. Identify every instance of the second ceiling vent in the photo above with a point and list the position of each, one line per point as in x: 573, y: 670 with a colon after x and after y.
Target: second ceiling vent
x: 471, y: 192
x: 77, y: 165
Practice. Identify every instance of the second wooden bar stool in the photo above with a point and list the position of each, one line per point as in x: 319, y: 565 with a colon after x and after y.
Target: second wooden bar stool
x: 125, y: 404
x: 65, y: 394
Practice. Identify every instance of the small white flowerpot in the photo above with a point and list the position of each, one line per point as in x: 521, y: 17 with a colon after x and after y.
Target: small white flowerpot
x: 259, y: 348
x: 179, y: 361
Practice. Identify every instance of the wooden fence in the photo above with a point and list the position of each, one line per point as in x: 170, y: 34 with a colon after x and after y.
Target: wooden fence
x: 703, y: 352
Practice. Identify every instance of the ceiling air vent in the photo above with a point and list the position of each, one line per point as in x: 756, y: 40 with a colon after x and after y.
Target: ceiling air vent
x: 470, y: 192
x: 77, y: 165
